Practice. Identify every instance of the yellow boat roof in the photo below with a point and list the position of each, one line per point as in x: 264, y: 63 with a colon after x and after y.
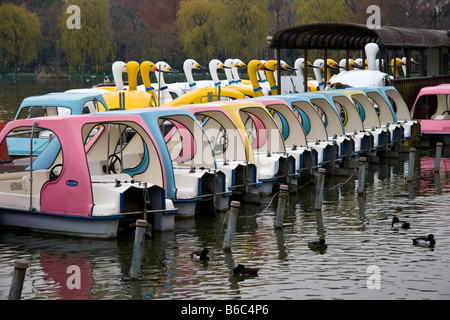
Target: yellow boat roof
x: 201, y: 96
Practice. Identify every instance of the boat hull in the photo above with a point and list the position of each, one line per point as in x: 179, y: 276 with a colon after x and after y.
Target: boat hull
x: 436, y: 131
x: 83, y: 227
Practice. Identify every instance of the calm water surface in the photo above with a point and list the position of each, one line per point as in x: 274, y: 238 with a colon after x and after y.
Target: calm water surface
x: 357, y: 230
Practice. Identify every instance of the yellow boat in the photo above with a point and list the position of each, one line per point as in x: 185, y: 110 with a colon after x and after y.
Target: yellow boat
x: 122, y: 99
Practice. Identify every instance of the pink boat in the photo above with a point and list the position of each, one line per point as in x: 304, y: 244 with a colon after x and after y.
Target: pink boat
x: 94, y: 174
x: 432, y: 110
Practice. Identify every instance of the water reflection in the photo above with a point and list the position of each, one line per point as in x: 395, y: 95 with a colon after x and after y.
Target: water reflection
x: 356, y: 228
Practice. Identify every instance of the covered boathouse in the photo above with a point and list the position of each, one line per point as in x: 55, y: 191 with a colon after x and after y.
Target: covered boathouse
x: 431, y: 46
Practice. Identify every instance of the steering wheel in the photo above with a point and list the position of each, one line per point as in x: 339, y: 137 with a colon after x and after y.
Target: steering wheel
x: 112, y: 160
x: 446, y: 112
x: 53, y: 174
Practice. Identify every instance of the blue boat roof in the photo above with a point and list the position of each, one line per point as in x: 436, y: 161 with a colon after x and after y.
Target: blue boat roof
x: 62, y: 99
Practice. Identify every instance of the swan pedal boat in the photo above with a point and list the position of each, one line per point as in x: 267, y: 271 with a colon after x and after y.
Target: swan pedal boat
x: 188, y: 159
x: 230, y: 151
x: 347, y: 147
x: 263, y: 141
x: 92, y: 178
x: 305, y: 157
x: 314, y: 128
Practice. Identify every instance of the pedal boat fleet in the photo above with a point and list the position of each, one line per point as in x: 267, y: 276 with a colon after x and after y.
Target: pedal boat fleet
x: 93, y: 172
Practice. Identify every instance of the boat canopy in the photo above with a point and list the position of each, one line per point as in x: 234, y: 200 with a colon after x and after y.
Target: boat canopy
x: 351, y: 36
x: 61, y: 103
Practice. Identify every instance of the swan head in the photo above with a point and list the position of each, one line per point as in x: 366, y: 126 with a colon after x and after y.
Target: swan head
x: 397, y: 62
x: 165, y: 67
x: 255, y: 65
x: 343, y: 64
x: 147, y: 66
x: 215, y: 64
x: 229, y: 63
x: 191, y: 64
x: 240, y: 63
x: 270, y: 65
x: 299, y: 63
x: 118, y: 68
x: 332, y: 64
x: 411, y: 60
x: 318, y: 64
x: 358, y: 62
x: 285, y: 66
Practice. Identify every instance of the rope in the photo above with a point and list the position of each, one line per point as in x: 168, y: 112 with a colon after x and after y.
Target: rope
x: 160, y: 261
x: 342, y: 183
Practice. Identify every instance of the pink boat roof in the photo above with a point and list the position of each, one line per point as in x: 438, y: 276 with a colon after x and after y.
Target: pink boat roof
x: 440, y: 89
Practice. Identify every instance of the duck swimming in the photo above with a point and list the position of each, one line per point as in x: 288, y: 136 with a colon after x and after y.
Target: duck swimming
x: 240, y: 270
x: 318, y: 245
x: 397, y: 224
x: 200, y: 254
x: 429, y: 240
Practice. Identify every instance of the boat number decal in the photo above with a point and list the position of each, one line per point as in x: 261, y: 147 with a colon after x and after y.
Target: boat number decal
x: 16, y: 186
x: 72, y: 183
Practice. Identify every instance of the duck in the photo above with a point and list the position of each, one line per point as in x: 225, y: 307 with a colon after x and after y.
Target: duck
x: 318, y: 245
x: 397, y: 224
x: 241, y: 270
x: 200, y: 254
x: 428, y: 240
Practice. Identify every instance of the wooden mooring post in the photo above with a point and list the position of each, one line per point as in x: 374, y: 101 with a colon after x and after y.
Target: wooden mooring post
x: 231, y: 226
x: 319, y: 188
x: 437, y: 157
x: 20, y: 268
x: 362, y: 175
x: 412, y: 159
x: 281, y: 208
x: 138, y: 249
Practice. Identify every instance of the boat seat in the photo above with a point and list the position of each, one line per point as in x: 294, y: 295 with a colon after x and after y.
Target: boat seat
x: 19, y: 182
x: 442, y: 117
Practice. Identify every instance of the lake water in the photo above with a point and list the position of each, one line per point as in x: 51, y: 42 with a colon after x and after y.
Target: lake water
x: 365, y: 259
